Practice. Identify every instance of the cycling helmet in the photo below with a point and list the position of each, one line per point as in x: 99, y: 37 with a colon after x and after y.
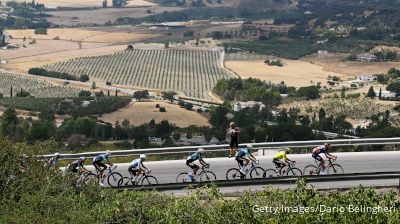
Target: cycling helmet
x: 108, y: 153
x: 57, y: 154
x: 288, y: 150
x: 142, y: 156
x: 249, y: 147
x: 200, y: 150
x: 82, y: 159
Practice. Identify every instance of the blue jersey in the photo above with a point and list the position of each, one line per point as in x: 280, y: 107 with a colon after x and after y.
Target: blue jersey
x: 101, y: 158
x: 242, y: 152
x: 195, y: 156
x: 322, y: 149
x: 135, y: 164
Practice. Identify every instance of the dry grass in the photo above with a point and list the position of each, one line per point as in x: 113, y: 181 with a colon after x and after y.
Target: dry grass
x: 101, y: 16
x: 84, y: 35
x: 84, y: 3
x: 338, y: 64
x: 141, y: 112
x: 294, y: 72
x: 51, y: 51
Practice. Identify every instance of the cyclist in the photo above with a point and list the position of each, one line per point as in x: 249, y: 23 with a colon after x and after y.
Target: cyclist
x: 190, y: 159
x: 280, y: 164
x: 233, y: 133
x: 244, y: 154
x: 137, y: 167
x: 52, y: 162
x: 323, y: 149
x: 99, y: 165
x: 77, y: 165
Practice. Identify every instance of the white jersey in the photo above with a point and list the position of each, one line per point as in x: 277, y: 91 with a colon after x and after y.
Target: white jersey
x: 136, y: 164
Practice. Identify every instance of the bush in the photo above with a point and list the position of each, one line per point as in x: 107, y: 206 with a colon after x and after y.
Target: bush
x: 199, y: 110
x: 162, y: 109
x: 85, y: 93
x: 23, y: 93
x: 108, y: 83
x: 188, y: 106
x: 181, y: 103
x: 41, y: 31
x: 51, y: 74
x: 83, y: 78
x: 157, y: 105
x: 310, y: 92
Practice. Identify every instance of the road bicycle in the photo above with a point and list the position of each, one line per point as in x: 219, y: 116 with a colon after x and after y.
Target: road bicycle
x: 205, y: 175
x: 289, y: 170
x: 110, y: 174
x: 144, y: 179
x: 332, y: 168
x: 255, y: 172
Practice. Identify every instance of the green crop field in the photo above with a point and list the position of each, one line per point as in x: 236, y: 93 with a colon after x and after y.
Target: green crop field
x: 37, y: 88
x: 193, y: 73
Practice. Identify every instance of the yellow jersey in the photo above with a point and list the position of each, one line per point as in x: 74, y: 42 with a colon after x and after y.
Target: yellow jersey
x: 281, y: 155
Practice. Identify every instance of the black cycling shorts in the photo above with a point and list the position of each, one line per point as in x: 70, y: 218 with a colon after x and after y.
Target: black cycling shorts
x: 277, y: 163
x: 191, y: 164
x: 240, y: 161
x: 99, y: 164
x: 317, y: 157
x: 234, y: 143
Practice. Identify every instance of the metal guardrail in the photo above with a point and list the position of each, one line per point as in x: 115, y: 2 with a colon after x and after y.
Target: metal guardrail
x: 225, y: 147
x: 267, y: 181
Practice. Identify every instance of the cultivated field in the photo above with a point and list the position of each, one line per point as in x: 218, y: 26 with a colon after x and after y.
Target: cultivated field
x: 36, y: 88
x: 294, y: 73
x: 337, y: 64
x: 142, y: 112
x: 84, y: 3
x: 101, y: 16
x: 83, y: 35
x: 191, y: 72
x: 356, y: 109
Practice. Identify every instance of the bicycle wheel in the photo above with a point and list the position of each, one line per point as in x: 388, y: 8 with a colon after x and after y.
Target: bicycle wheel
x: 183, y: 178
x: 335, y: 169
x: 149, y: 180
x: 86, y: 179
x: 294, y: 172
x: 113, y: 179
x: 208, y: 176
x: 125, y: 181
x: 270, y: 173
x: 310, y: 170
x: 234, y: 174
x: 257, y: 172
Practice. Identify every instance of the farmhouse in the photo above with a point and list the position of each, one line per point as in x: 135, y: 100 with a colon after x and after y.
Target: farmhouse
x: 387, y: 95
x: 249, y: 104
x: 366, y: 57
x: 366, y: 78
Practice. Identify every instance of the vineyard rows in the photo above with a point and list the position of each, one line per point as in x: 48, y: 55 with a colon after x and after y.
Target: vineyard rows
x: 193, y: 73
x: 37, y: 88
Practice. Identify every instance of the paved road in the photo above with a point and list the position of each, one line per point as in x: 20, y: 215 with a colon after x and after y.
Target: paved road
x: 353, y: 162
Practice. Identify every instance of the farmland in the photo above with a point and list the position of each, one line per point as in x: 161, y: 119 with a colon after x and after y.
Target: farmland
x: 83, y: 3
x: 356, y: 109
x: 139, y: 113
x: 36, y: 88
x: 193, y: 73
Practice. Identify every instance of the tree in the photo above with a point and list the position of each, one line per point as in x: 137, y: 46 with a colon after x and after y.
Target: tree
x: 371, y: 93
x: 41, y: 31
x: 380, y: 93
x: 93, y: 85
x: 310, y: 92
x: 169, y: 95
x: 23, y: 93
x: 84, y: 93
x: 188, y: 106
x: 84, y: 78
x: 139, y: 95
x: 10, y: 116
x: 321, y: 114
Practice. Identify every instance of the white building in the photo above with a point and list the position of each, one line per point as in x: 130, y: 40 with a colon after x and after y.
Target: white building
x: 237, y: 106
x: 366, y: 57
x: 366, y: 78
x: 388, y: 94
x: 322, y: 52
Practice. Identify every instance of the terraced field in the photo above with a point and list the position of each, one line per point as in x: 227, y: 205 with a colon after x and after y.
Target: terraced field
x: 192, y: 72
x: 37, y: 88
